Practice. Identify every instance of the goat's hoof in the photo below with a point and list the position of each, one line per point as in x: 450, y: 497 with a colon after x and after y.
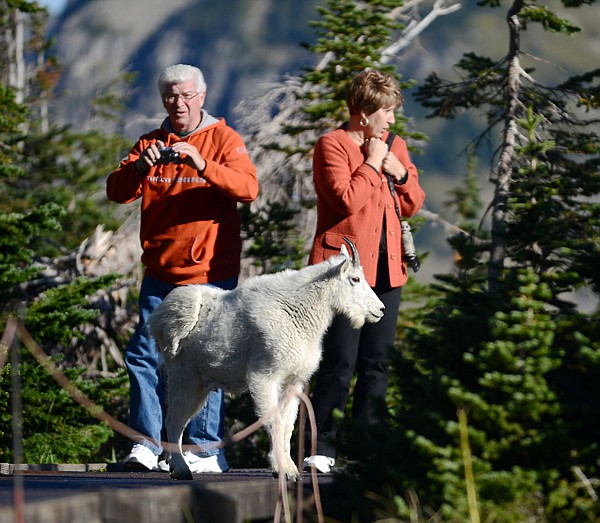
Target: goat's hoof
x: 289, y: 477
x: 184, y: 476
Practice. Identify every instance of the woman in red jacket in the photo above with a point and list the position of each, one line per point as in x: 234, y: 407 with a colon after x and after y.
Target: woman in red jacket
x: 354, y: 200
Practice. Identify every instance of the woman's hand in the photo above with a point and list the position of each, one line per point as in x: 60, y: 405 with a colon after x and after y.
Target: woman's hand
x: 376, y: 150
x: 392, y: 166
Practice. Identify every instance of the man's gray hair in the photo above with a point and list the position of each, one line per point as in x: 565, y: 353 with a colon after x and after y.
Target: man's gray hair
x: 177, y: 74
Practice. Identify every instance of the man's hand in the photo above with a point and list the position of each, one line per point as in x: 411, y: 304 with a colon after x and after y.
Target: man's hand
x: 190, y: 155
x: 149, y: 157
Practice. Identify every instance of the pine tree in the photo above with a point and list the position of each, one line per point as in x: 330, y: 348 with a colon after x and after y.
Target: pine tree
x: 283, y: 124
x: 506, y: 344
x: 49, y: 187
x: 351, y: 37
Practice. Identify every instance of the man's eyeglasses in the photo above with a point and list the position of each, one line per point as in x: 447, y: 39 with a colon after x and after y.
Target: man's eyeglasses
x: 186, y: 97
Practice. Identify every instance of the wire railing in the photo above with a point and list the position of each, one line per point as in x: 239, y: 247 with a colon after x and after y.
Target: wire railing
x: 16, y: 334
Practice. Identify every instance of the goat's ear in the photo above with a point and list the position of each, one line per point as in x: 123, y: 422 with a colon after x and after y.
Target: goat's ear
x: 342, y: 269
x: 344, y: 251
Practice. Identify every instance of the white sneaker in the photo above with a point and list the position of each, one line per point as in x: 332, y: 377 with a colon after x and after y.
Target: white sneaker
x: 199, y: 464
x: 141, y: 459
x: 321, y: 463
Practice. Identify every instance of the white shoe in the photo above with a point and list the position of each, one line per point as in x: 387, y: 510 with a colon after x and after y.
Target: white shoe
x: 141, y: 459
x: 199, y: 464
x: 321, y: 463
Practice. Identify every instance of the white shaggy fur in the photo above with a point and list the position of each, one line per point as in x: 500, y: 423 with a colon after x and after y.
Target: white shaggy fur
x: 262, y: 337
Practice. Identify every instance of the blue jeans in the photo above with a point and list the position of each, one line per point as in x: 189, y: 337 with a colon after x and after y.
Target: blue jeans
x: 147, y: 381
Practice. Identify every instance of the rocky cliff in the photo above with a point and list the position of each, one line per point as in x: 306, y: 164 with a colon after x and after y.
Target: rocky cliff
x: 239, y: 45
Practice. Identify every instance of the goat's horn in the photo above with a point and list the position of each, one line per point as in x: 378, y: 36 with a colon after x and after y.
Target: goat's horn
x: 355, y: 257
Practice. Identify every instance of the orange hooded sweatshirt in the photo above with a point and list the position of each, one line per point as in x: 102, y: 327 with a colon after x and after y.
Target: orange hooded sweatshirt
x: 190, y: 224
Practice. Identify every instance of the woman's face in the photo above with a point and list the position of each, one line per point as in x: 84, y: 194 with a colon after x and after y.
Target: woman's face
x: 379, y: 122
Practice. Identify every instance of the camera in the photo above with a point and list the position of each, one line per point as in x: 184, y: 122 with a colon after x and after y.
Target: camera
x: 410, y: 253
x: 168, y: 155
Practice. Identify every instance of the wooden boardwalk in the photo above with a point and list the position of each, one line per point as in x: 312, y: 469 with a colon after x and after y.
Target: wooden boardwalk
x: 105, y: 494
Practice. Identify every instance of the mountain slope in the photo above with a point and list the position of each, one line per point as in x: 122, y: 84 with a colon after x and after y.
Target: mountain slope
x: 238, y: 49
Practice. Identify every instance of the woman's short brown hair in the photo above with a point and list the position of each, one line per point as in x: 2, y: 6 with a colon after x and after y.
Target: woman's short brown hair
x: 372, y: 90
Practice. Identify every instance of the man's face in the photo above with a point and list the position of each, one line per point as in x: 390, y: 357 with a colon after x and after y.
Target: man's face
x: 183, y: 105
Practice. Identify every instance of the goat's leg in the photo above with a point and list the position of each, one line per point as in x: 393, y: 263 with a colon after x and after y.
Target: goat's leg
x: 289, y: 414
x: 182, y: 403
x: 266, y: 395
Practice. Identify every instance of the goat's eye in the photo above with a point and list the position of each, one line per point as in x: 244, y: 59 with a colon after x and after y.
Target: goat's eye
x: 355, y: 279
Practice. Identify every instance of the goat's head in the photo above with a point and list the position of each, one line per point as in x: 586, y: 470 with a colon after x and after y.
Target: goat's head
x: 354, y: 297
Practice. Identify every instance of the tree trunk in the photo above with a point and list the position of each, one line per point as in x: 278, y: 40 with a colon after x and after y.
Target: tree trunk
x: 502, y: 182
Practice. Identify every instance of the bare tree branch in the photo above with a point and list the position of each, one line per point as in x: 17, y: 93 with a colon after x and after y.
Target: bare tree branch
x: 449, y: 228
x: 415, y: 28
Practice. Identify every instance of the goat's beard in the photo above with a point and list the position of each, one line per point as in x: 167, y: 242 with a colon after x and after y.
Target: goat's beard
x: 357, y: 321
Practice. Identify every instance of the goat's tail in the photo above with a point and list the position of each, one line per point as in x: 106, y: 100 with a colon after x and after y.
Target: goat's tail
x: 175, y: 317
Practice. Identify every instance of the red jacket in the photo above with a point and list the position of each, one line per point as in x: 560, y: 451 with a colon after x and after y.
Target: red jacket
x: 352, y: 199
x: 190, y: 225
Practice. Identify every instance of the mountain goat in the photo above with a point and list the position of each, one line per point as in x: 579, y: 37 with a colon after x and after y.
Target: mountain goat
x: 261, y: 337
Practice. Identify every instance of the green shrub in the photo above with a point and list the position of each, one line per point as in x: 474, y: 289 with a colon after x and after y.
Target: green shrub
x: 55, y: 428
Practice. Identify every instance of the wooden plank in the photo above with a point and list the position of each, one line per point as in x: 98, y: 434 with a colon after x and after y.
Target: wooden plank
x: 80, y: 508
x: 226, y: 502
x: 237, y: 501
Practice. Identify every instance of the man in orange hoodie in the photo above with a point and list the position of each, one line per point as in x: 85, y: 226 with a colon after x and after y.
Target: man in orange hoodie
x: 190, y: 175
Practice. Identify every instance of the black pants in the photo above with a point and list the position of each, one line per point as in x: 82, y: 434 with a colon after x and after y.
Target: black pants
x: 346, y: 351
